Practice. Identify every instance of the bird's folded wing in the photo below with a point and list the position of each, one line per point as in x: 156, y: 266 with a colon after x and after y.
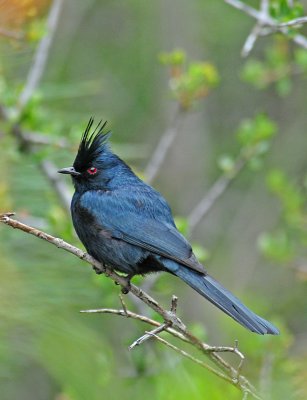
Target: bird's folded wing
x: 140, y: 227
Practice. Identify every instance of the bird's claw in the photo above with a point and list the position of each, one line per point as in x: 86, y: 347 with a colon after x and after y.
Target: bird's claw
x: 127, y: 285
x: 98, y: 270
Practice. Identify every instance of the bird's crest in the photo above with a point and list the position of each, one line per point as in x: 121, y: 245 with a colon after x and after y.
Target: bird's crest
x: 92, y: 145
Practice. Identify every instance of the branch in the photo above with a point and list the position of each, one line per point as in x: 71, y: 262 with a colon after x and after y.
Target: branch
x: 215, y: 192
x: 266, y: 24
x: 173, y: 332
x: 294, y: 22
x: 59, y: 186
x: 163, y: 146
x: 40, y: 59
x: 37, y: 138
x: 169, y: 317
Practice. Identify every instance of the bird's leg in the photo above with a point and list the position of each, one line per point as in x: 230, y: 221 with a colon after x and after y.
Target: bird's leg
x: 98, y: 270
x: 127, y: 286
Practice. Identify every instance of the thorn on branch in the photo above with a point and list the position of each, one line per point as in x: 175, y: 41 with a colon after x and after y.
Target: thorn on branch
x: 174, y: 304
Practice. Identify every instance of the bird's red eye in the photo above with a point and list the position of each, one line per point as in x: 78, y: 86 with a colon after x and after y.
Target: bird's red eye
x: 92, y: 171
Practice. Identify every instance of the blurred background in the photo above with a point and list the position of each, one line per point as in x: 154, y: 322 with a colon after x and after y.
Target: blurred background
x: 230, y: 133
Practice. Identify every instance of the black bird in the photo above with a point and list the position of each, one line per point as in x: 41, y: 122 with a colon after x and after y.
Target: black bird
x: 127, y: 225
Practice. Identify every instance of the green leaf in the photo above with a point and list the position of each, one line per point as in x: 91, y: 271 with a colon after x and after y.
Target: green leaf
x: 277, y: 246
x: 201, y: 253
x: 182, y: 225
x: 284, y: 86
x: 176, y: 57
x: 300, y: 57
x: 254, y: 72
x: 253, y: 131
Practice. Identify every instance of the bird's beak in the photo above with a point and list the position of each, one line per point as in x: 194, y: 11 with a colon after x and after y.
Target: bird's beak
x: 69, y: 171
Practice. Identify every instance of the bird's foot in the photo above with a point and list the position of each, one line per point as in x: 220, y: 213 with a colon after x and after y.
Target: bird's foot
x: 127, y: 285
x: 99, y: 270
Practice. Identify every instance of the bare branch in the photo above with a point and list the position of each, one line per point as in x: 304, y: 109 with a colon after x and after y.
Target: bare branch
x: 168, y: 316
x: 251, y: 40
x: 267, y: 23
x: 163, y: 146
x: 264, y: 7
x: 157, y: 330
x: 293, y: 22
x: 61, y: 189
x: 37, y: 138
x: 216, y: 190
x: 143, y: 318
x: 194, y: 359
x: 265, y: 378
x: 243, y: 7
x: 147, y: 336
x: 41, y: 56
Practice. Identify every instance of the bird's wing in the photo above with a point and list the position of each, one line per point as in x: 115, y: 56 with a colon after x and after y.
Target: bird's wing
x: 130, y: 220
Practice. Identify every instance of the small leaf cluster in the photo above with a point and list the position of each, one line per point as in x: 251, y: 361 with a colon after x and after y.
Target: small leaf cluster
x: 284, y: 10
x: 254, y: 137
x: 278, y: 68
x: 189, y: 82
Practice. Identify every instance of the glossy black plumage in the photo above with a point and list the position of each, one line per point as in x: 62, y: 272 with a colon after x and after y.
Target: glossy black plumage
x: 126, y: 224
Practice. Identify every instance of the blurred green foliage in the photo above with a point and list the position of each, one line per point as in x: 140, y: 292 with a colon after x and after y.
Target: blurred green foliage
x: 280, y: 66
x: 288, y: 242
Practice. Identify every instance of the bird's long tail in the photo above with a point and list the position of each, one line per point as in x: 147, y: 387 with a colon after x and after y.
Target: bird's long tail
x: 226, y: 301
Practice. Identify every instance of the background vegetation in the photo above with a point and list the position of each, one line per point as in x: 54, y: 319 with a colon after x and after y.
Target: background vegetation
x: 154, y: 69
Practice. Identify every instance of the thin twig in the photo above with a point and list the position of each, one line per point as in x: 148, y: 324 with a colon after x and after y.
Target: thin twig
x: 148, y: 335
x: 251, y: 40
x: 293, y: 22
x: 266, y: 21
x: 194, y: 359
x: 123, y: 304
x: 257, y: 30
x: 159, y: 329
x: 265, y: 379
x: 37, y: 138
x: 168, y: 316
x: 216, y: 190
x: 40, y: 59
x: 165, y: 142
x: 129, y: 314
x: 143, y: 318
x: 61, y: 189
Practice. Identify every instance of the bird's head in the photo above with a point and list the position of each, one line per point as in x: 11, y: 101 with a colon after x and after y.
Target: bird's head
x: 93, y: 158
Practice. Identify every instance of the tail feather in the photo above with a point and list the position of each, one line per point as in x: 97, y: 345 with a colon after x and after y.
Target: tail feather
x: 226, y: 301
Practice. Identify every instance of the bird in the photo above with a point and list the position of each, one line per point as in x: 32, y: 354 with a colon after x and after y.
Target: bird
x: 127, y: 225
